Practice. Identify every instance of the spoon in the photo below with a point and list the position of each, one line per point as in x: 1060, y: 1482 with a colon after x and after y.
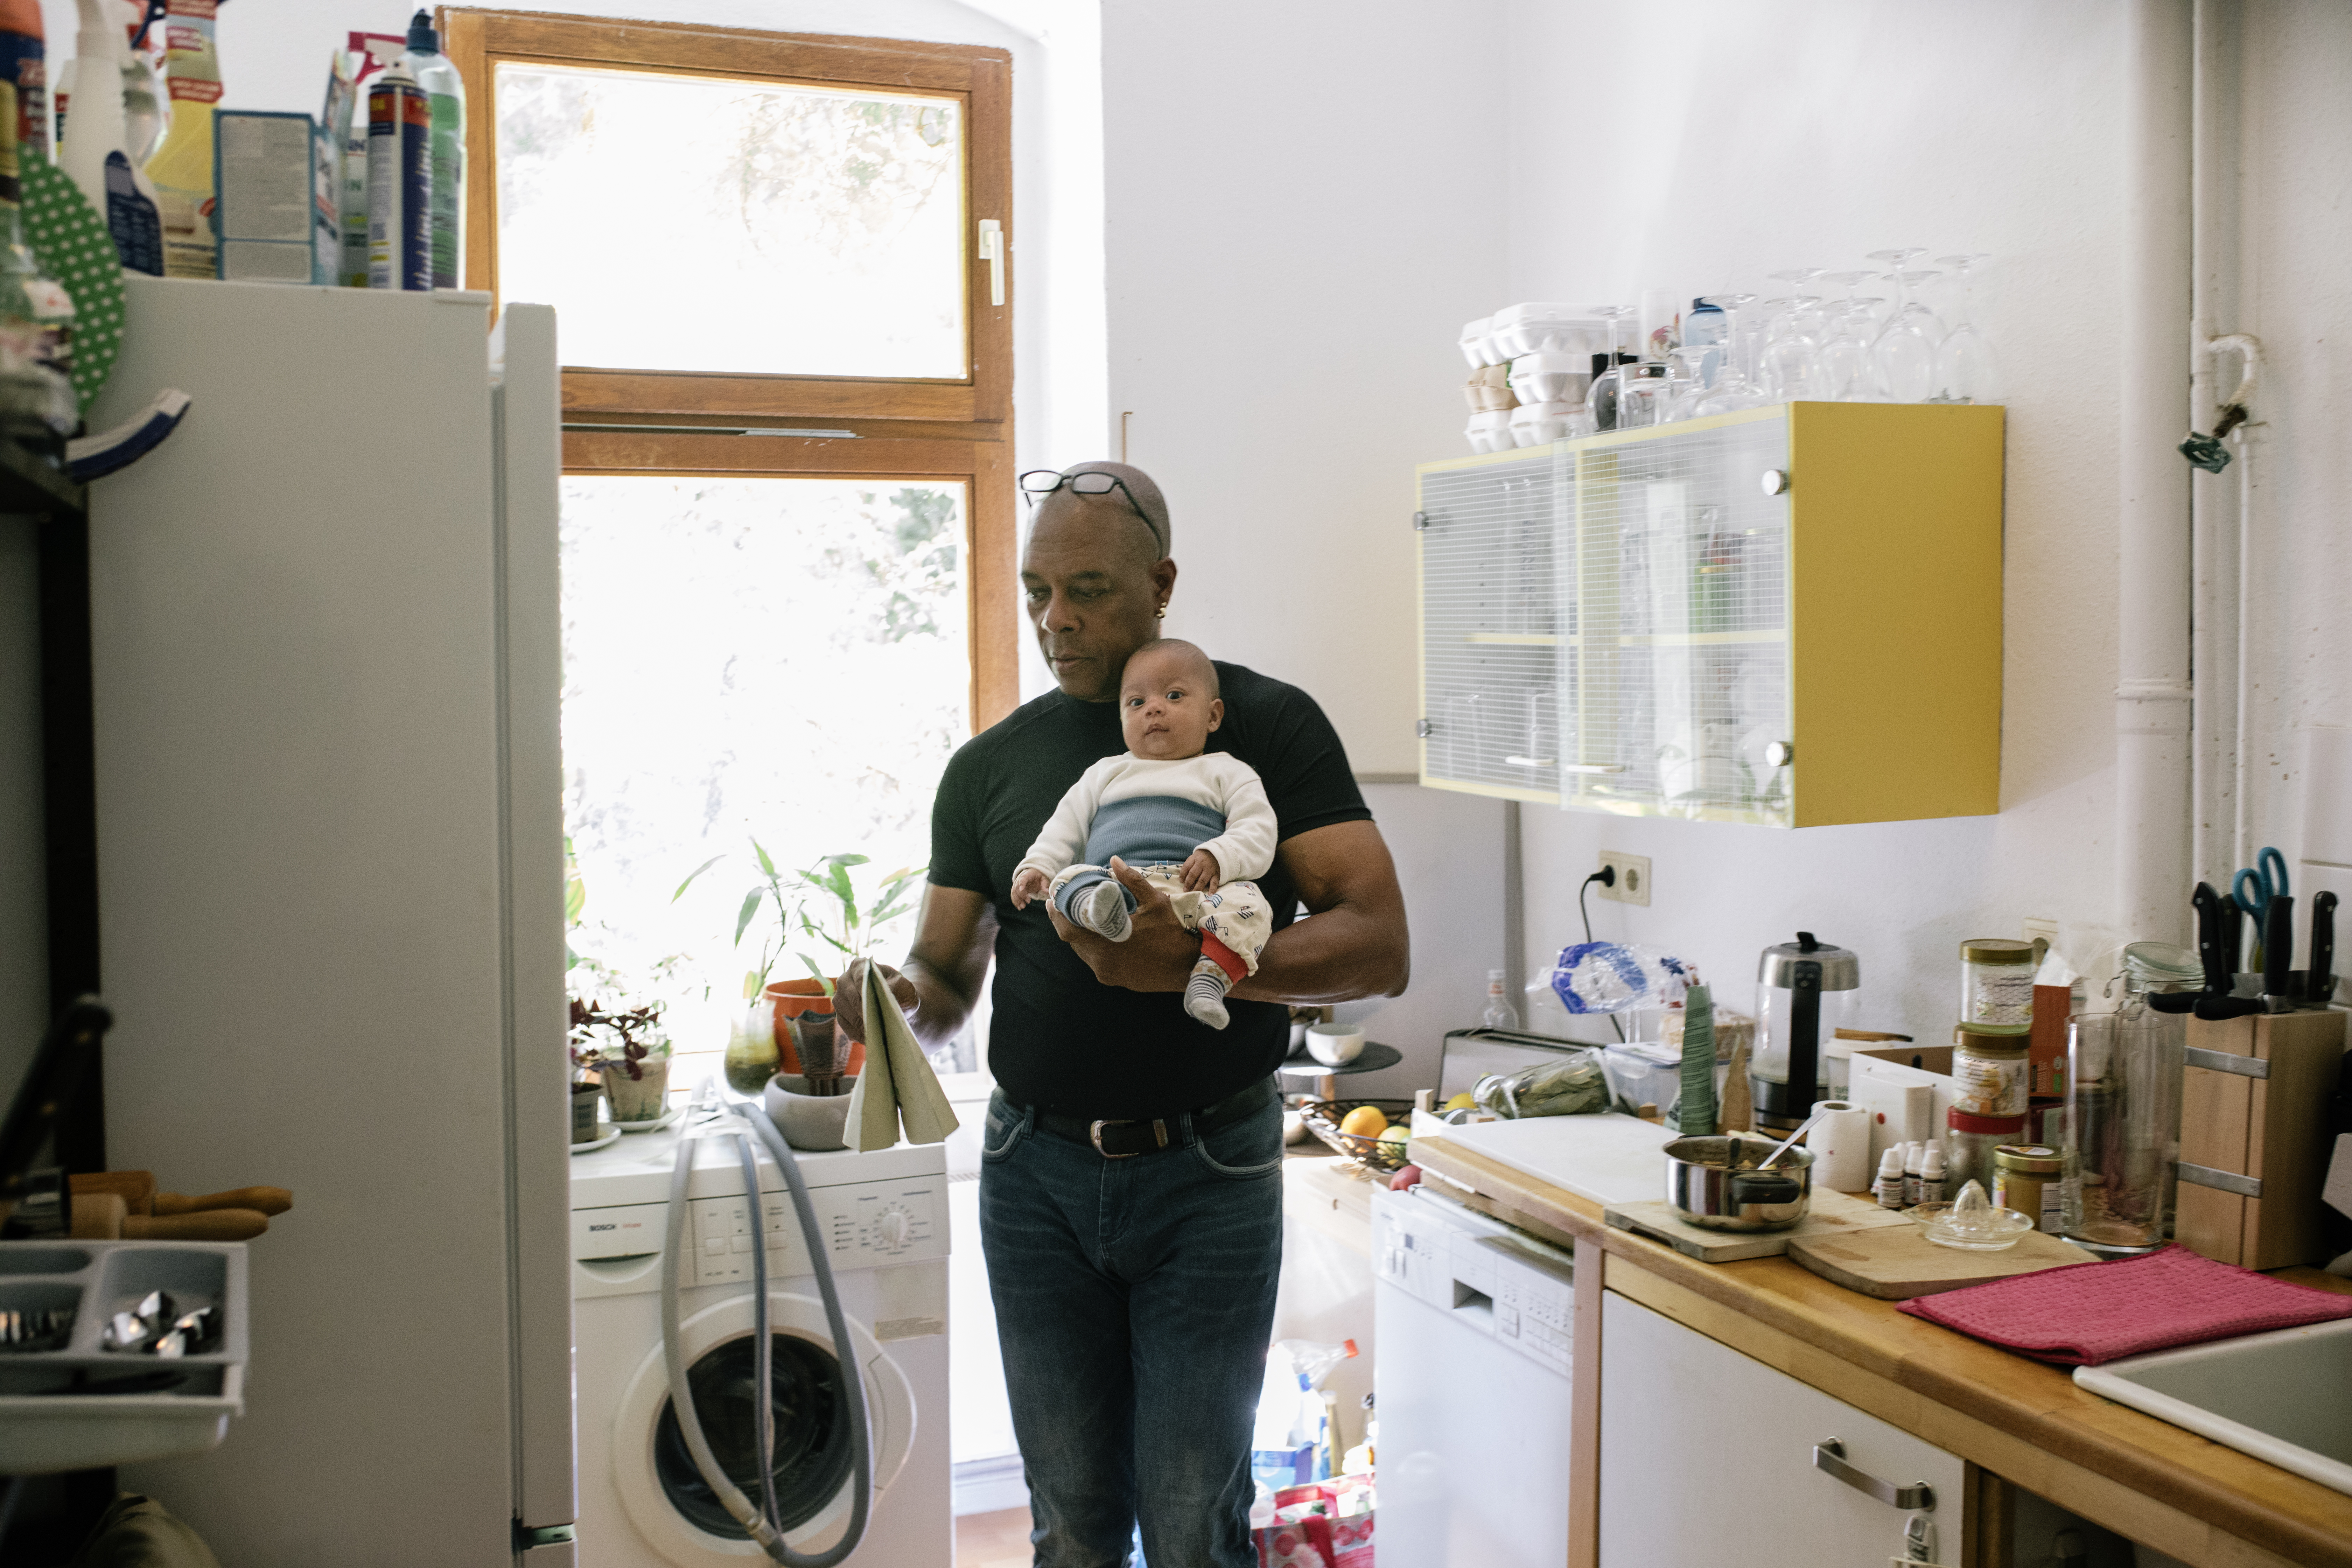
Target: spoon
x: 1802, y: 1127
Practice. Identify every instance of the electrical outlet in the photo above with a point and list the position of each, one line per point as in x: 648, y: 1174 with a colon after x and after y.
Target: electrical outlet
x: 1632, y: 884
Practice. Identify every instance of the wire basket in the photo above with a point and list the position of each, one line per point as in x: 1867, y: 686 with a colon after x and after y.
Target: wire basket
x: 1323, y: 1117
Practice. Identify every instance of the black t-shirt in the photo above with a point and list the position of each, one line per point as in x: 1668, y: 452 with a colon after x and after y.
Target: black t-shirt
x: 1060, y: 1038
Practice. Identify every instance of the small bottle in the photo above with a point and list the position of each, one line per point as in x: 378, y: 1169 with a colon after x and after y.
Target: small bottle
x: 1931, y: 1175
x: 1888, y: 1189
x: 1499, y: 1013
x: 1914, y: 1158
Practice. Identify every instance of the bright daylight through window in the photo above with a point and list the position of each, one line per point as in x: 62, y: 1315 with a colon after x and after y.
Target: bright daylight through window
x: 771, y: 230
x: 782, y: 660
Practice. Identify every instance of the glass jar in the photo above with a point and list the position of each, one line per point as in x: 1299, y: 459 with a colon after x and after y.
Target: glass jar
x: 2122, y: 1126
x: 1997, y: 985
x: 1969, y: 1145
x: 1990, y: 1073
x: 2026, y: 1178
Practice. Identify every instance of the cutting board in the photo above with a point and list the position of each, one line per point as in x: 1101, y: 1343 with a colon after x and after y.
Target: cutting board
x: 1607, y: 1159
x: 1831, y: 1214
x: 1895, y: 1265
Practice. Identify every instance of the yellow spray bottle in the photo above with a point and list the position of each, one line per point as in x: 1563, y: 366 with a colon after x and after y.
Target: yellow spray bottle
x: 182, y: 167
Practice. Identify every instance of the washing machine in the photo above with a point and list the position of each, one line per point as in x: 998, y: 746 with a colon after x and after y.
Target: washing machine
x: 884, y: 1216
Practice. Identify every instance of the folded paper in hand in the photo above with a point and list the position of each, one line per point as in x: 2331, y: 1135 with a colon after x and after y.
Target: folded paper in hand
x: 897, y: 1087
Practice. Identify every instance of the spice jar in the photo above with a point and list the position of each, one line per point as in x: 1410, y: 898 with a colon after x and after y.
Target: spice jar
x: 1989, y: 1072
x: 2025, y: 1177
x: 1968, y: 1143
x: 1997, y: 985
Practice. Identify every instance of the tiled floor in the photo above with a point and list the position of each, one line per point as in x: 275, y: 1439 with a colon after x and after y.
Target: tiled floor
x: 993, y: 1540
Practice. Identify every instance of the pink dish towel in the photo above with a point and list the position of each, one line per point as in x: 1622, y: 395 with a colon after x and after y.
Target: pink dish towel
x: 2088, y: 1314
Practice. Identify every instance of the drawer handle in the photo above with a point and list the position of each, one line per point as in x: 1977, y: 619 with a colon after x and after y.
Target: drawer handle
x: 1829, y: 1454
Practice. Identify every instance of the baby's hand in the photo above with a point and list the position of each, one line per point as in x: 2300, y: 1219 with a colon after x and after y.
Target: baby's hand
x: 1200, y: 872
x: 1029, y: 884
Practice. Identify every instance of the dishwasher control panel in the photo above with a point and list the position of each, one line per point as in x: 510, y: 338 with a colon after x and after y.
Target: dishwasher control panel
x: 1479, y: 1271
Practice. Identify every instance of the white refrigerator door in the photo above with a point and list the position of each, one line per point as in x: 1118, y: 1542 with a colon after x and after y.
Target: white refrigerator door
x: 318, y: 920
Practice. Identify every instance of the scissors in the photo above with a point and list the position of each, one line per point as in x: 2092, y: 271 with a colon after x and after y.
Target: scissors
x: 2266, y: 887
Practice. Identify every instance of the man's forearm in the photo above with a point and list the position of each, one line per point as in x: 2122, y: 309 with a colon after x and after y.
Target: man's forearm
x: 1338, y: 955
x: 940, y: 1008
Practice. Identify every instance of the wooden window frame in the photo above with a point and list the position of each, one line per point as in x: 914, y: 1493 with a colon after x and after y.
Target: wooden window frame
x: 652, y: 422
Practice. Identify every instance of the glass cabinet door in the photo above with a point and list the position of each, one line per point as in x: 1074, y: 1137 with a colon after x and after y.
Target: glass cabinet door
x: 1490, y: 626
x: 1674, y: 688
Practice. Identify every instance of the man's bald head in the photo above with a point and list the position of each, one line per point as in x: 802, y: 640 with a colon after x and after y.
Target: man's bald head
x: 1146, y: 537
x: 1095, y: 576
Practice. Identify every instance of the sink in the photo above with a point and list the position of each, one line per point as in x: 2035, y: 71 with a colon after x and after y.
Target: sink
x: 2278, y: 1396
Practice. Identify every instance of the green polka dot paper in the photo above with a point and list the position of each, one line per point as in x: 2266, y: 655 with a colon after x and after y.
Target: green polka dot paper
x: 70, y: 241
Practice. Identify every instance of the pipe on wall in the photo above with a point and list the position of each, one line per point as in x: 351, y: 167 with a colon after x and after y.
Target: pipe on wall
x: 2153, y: 694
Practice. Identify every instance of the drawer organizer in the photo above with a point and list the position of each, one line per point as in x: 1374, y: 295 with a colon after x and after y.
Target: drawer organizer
x: 80, y: 1403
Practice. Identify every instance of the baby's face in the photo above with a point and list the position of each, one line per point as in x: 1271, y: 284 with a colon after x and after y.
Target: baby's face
x: 1164, y: 706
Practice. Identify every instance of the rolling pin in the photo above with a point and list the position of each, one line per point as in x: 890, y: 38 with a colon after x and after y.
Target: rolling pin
x: 103, y: 1217
x: 138, y: 1195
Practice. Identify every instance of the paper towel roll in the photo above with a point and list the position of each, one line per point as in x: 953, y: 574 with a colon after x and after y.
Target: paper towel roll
x: 1841, y: 1144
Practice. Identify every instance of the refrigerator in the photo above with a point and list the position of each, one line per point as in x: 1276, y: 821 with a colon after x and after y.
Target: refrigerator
x: 325, y: 642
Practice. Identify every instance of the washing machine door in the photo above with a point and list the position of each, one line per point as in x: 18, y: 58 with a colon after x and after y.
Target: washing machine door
x: 666, y: 1498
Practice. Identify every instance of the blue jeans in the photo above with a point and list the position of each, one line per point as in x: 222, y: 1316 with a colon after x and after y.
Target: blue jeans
x: 1134, y: 1298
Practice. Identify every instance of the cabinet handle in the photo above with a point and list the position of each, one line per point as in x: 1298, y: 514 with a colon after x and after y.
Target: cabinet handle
x: 1829, y: 1454
x: 1526, y: 762
x: 1592, y: 767
x: 992, y: 250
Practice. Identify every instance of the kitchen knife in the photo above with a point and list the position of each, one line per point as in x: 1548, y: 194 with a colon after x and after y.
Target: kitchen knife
x: 2278, y: 955
x: 2214, y: 946
x: 2234, y: 939
x: 2319, y: 984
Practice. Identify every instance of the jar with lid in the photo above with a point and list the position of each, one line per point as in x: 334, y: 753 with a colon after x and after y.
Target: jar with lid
x: 1969, y: 1145
x: 1990, y: 1073
x: 2026, y: 1178
x: 1997, y: 985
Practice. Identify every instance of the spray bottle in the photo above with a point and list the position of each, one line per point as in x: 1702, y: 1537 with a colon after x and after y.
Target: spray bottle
x: 97, y: 159
x: 399, y: 183
x: 182, y: 167
x: 446, y: 92
x: 368, y: 54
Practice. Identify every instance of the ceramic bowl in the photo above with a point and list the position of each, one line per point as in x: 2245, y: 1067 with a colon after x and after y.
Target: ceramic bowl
x: 810, y: 1121
x: 1334, y: 1045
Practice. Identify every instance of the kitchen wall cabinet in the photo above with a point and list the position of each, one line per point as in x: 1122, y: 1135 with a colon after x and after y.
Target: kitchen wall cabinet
x: 1786, y: 616
x: 1706, y: 1454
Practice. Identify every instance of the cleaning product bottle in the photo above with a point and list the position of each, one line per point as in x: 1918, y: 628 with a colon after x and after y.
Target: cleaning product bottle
x: 444, y: 90
x: 182, y: 167
x: 1888, y: 1189
x: 1498, y: 1013
x: 368, y: 54
x: 400, y: 184
x: 97, y: 159
x: 146, y: 109
x: 24, y: 61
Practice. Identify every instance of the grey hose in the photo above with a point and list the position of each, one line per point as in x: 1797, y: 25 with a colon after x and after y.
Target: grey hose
x: 763, y: 1345
x: 755, y: 1523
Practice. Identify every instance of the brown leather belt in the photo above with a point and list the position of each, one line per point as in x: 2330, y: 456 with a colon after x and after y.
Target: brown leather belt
x: 1123, y: 1138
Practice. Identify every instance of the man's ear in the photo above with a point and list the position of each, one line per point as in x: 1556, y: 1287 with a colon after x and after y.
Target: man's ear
x: 1216, y: 713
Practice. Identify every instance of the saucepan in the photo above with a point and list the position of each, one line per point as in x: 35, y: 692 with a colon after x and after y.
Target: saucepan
x: 1718, y: 1184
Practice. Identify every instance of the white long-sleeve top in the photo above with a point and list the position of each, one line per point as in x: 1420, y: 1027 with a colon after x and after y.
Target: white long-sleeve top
x: 1218, y: 780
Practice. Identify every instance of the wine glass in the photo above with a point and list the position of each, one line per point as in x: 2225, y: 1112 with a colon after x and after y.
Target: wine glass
x: 1966, y: 370
x: 1643, y: 391
x: 1847, y: 375
x: 1733, y: 387
x: 1902, y: 356
x: 1687, y: 372
x: 1791, y: 366
x: 1601, y: 397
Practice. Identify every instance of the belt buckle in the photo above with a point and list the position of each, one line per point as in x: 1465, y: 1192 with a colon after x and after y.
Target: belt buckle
x: 1094, y: 1132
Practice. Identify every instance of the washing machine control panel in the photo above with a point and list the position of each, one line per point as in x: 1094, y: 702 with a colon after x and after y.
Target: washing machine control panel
x: 864, y: 1226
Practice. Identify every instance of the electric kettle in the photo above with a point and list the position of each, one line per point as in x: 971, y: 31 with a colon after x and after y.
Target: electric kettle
x: 1805, y: 991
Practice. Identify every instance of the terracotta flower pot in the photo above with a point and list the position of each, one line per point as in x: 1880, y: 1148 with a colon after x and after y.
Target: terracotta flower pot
x: 793, y: 998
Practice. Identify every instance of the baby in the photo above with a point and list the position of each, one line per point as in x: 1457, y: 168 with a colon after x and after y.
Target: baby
x: 1199, y: 826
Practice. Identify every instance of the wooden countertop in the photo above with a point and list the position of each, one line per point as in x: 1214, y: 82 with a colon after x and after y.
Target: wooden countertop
x: 2022, y: 1420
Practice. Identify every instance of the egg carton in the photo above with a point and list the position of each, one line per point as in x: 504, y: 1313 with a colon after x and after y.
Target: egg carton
x: 71, y: 1398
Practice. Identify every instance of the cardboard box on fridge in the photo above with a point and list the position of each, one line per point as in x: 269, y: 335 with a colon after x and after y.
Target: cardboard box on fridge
x: 1906, y: 1089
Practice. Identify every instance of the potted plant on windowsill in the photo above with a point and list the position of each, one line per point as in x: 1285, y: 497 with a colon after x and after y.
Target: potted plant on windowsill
x: 629, y: 1052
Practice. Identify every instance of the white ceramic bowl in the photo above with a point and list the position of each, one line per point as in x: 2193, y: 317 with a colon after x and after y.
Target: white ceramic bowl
x: 1334, y: 1045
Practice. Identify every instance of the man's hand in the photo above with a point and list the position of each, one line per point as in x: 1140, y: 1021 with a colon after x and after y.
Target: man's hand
x: 849, y: 997
x: 1159, y: 953
x: 1029, y: 884
x: 1200, y: 872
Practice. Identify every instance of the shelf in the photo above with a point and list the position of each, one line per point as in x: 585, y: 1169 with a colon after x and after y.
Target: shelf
x: 31, y: 488
x: 1653, y: 640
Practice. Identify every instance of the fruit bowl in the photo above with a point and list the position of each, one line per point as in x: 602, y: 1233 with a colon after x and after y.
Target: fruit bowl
x: 1323, y: 1117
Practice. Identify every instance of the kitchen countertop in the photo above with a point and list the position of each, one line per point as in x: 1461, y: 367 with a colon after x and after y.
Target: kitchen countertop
x: 2019, y: 1419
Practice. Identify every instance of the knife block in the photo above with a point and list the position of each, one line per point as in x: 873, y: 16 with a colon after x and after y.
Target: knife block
x: 2254, y: 1137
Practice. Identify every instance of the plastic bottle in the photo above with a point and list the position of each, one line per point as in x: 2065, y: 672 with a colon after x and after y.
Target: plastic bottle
x: 445, y: 91
x: 24, y: 61
x: 366, y: 55
x: 400, y: 184
x: 1931, y: 1175
x: 1888, y: 1189
x: 182, y: 168
x: 97, y: 159
x: 1914, y: 1154
x: 1499, y: 1013
x: 143, y: 104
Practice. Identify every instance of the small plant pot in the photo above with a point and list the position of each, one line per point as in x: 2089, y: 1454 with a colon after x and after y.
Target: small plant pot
x: 640, y: 1098
x: 753, y: 1057
x: 585, y: 1097
x: 814, y: 1122
x: 793, y: 998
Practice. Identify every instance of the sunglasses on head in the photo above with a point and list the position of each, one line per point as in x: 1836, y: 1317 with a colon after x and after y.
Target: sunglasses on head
x: 1038, y: 483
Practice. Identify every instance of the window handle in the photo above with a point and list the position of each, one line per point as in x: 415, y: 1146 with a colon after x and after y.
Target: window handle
x: 992, y: 250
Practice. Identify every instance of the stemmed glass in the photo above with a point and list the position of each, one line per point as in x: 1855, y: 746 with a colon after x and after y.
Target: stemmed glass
x: 1733, y: 389
x: 1966, y: 370
x: 1601, y: 397
x: 1687, y: 381
x: 1904, y: 354
x: 1791, y: 366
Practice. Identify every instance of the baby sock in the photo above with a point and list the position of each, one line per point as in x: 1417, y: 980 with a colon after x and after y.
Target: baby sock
x: 1205, y: 994
x: 1102, y: 910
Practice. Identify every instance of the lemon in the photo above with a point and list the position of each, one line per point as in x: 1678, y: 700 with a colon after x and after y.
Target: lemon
x: 1364, y: 1121
x: 1463, y: 1101
x: 1397, y: 1133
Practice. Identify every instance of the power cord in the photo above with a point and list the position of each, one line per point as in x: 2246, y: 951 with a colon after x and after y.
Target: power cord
x: 1607, y: 878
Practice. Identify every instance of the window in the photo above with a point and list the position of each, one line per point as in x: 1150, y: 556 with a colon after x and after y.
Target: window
x: 788, y: 511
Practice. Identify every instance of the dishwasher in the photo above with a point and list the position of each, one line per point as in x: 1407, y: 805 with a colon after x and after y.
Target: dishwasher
x: 1473, y: 1318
